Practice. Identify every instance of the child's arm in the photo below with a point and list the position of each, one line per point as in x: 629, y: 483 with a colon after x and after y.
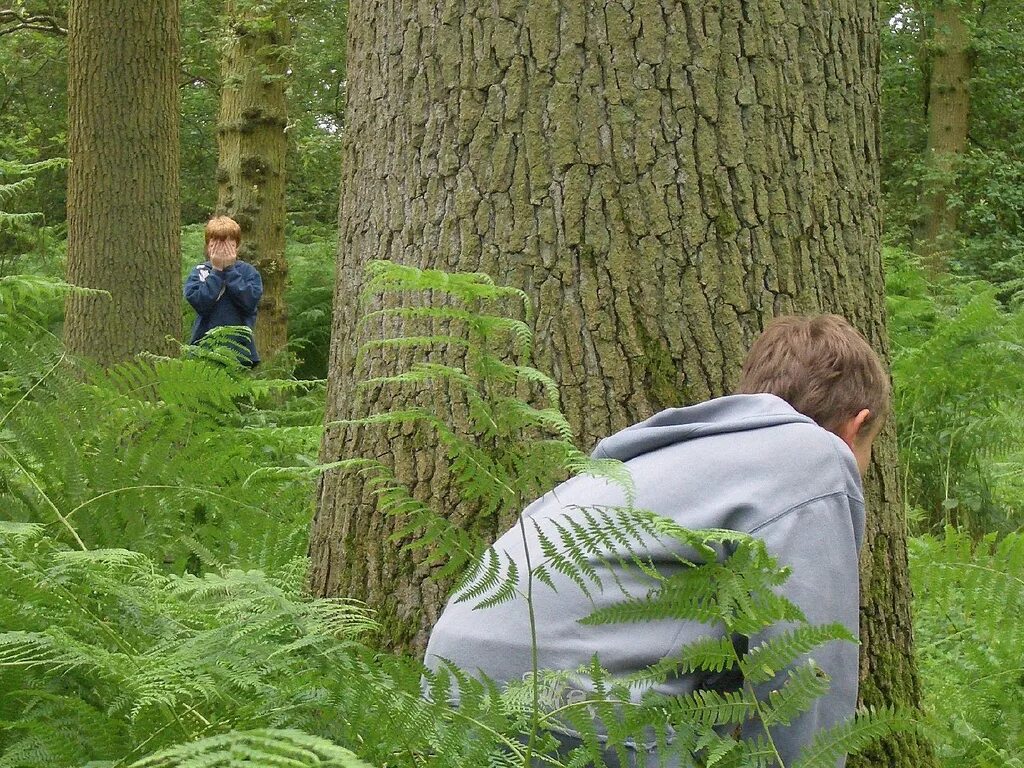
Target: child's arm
x: 203, y: 287
x: 244, y: 286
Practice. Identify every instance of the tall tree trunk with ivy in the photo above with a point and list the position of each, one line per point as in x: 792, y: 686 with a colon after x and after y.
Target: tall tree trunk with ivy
x: 949, y: 102
x: 661, y: 178
x: 123, y: 209
x: 252, y: 144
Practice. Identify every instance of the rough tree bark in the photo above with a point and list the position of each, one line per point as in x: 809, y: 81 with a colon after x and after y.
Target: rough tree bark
x: 123, y: 209
x: 662, y: 178
x: 252, y: 144
x: 949, y: 102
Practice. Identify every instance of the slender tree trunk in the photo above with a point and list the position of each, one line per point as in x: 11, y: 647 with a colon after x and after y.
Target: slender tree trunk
x: 661, y: 178
x: 949, y: 101
x: 123, y: 209
x: 252, y: 143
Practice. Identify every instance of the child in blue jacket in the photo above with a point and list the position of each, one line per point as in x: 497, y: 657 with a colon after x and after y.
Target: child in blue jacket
x: 224, y: 290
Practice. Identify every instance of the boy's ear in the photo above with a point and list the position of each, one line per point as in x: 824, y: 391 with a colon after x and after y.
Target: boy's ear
x: 851, y: 428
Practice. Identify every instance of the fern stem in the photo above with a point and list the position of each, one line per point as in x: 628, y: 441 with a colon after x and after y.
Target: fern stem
x: 137, y: 749
x: 1000, y: 673
x: 534, y: 664
x: 513, y: 745
x: 585, y: 703
x: 760, y: 715
x: 29, y: 391
x: 986, y: 569
x: 32, y: 479
x: 906, y: 480
x: 945, y: 489
x: 192, y: 489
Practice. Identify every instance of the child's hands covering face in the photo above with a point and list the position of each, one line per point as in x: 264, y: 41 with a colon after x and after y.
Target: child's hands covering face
x: 223, y: 253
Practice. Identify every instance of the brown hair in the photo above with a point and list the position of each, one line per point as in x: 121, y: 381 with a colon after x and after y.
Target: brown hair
x: 822, y: 366
x: 223, y: 228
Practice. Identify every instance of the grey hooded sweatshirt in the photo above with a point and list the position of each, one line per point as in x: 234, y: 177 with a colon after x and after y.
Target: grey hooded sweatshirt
x: 748, y: 463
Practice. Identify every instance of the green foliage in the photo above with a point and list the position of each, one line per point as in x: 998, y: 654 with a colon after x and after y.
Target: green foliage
x: 990, y: 196
x: 200, y: 99
x: 958, y: 368
x: 178, y: 652
x: 267, y: 747
x: 310, y: 297
x: 116, y: 659
x: 177, y: 467
x: 105, y: 659
x: 33, y: 112
x: 19, y: 230
x: 316, y: 108
x: 176, y: 649
x: 969, y: 624
x: 903, y: 116
x: 986, y: 190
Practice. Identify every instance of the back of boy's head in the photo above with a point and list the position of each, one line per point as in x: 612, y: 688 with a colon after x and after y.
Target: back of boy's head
x: 822, y: 366
x: 223, y: 228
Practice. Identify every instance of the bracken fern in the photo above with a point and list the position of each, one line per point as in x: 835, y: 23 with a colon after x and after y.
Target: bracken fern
x: 969, y: 623
x: 195, y: 646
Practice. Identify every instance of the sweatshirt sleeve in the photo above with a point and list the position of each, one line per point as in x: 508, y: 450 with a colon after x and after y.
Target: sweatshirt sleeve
x: 819, y: 542
x: 244, y: 287
x: 202, y: 288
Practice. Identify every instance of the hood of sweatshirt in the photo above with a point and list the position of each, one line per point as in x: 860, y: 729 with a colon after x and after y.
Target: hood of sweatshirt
x: 735, y: 413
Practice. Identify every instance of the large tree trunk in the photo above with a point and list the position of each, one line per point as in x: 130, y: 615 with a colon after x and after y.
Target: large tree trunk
x: 123, y: 210
x: 661, y: 181
x: 252, y: 144
x: 949, y: 102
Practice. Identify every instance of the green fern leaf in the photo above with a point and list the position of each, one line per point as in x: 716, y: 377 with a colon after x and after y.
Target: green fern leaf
x: 768, y: 659
x: 851, y: 736
x: 264, y: 747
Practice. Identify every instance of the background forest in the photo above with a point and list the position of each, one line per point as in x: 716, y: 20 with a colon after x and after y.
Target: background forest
x: 154, y: 528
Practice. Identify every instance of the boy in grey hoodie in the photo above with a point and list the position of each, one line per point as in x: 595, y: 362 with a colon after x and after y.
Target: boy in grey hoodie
x: 781, y: 460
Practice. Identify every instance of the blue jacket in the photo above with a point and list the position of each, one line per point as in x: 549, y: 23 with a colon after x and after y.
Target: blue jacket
x: 748, y: 463
x: 224, y: 298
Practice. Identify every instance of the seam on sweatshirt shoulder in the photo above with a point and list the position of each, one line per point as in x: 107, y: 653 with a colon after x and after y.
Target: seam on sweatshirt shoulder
x: 795, y: 507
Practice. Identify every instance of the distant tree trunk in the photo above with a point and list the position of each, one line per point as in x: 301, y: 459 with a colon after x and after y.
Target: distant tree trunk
x: 252, y: 144
x: 123, y: 209
x: 949, y: 101
x: 661, y: 180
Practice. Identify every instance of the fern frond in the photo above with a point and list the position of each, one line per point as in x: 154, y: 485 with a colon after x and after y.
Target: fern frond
x: 263, y: 747
x: 803, y: 685
x: 711, y: 708
x: 709, y: 654
x: 851, y: 736
x: 749, y: 753
x: 36, y: 649
x: 569, y: 557
x: 492, y: 579
x: 765, y: 661
x: 19, y: 534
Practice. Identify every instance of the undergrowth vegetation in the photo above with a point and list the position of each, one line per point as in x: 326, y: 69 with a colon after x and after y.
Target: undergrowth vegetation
x: 152, y: 567
x: 152, y: 561
x: 969, y: 623
x: 958, y: 369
